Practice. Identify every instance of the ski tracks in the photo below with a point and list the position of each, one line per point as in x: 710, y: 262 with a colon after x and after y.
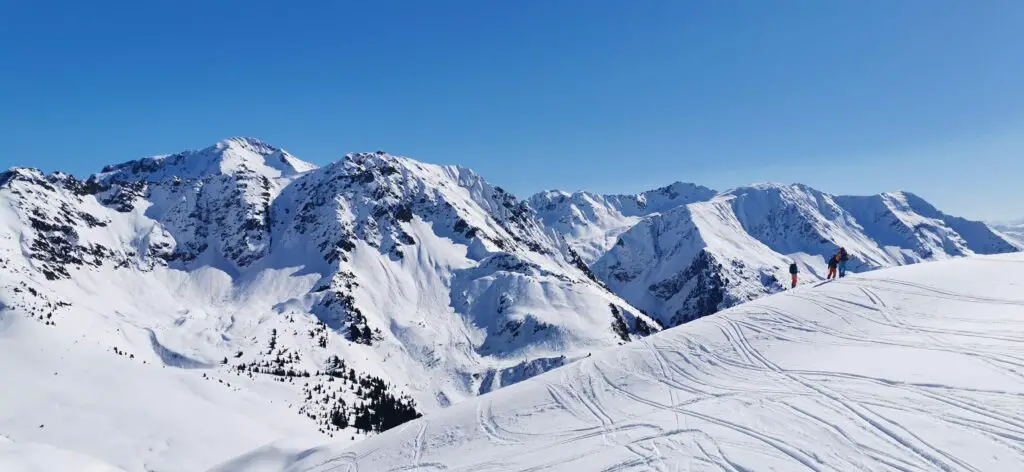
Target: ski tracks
x: 893, y: 432
x: 998, y: 426
x: 489, y: 425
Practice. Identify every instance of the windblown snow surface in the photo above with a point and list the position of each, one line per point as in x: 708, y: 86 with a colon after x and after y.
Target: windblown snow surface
x: 911, y: 369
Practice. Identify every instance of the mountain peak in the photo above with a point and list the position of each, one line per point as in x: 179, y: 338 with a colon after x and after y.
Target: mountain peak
x: 676, y: 186
x: 247, y: 142
x: 375, y: 159
x: 673, y: 195
x: 29, y: 174
x: 764, y: 186
x: 378, y: 158
x: 405, y: 168
x: 231, y: 156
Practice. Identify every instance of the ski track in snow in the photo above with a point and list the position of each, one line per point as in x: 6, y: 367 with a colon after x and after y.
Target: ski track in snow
x: 911, y: 369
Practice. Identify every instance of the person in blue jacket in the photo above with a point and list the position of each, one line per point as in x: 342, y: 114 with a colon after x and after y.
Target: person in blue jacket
x: 844, y: 257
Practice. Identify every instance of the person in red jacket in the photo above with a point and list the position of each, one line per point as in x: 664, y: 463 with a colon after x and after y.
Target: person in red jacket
x: 794, y: 270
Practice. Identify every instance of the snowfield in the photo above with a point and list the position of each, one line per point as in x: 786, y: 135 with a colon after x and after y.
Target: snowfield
x: 16, y: 457
x: 911, y: 369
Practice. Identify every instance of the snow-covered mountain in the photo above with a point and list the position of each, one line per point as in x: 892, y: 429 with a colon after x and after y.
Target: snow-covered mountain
x: 354, y: 297
x: 690, y: 262
x: 911, y: 229
x: 233, y: 156
x: 592, y: 223
x: 877, y: 372
x: 695, y: 255
x: 264, y: 297
x: 1013, y: 232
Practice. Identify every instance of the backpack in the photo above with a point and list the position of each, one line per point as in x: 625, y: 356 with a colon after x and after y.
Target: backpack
x: 793, y: 269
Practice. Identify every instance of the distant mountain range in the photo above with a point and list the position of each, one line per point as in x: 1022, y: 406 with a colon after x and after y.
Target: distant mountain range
x: 361, y: 294
x: 1012, y: 231
x: 691, y: 251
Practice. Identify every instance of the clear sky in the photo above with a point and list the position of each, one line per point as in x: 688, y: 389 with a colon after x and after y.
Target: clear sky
x: 612, y: 96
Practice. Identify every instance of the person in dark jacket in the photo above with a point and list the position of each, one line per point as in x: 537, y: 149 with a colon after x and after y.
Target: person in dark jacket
x: 793, y: 270
x: 843, y: 258
x: 833, y: 263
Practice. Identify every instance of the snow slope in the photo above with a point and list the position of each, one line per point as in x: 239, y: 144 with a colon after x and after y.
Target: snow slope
x: 94, y: 385
x: 912, y: 368
x: 17, y: 457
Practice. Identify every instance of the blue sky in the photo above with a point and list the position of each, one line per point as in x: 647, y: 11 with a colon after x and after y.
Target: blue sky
x: 612, y: 96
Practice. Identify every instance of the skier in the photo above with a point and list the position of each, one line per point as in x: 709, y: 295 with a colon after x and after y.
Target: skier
x: 832, y: 264
x: 793, y: 270
x: 843, y: 258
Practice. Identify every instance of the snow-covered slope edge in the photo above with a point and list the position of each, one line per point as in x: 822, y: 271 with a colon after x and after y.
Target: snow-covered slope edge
x: 838, y: 376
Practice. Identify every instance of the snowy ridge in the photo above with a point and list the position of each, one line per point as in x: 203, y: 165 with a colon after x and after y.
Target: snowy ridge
x: 592, y: 222
x: 690, y: 262
x: 228, y: 157
x: 914, y: 230
x: 839, y: 376
x: 795, y: 219
x: 683, y: 262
